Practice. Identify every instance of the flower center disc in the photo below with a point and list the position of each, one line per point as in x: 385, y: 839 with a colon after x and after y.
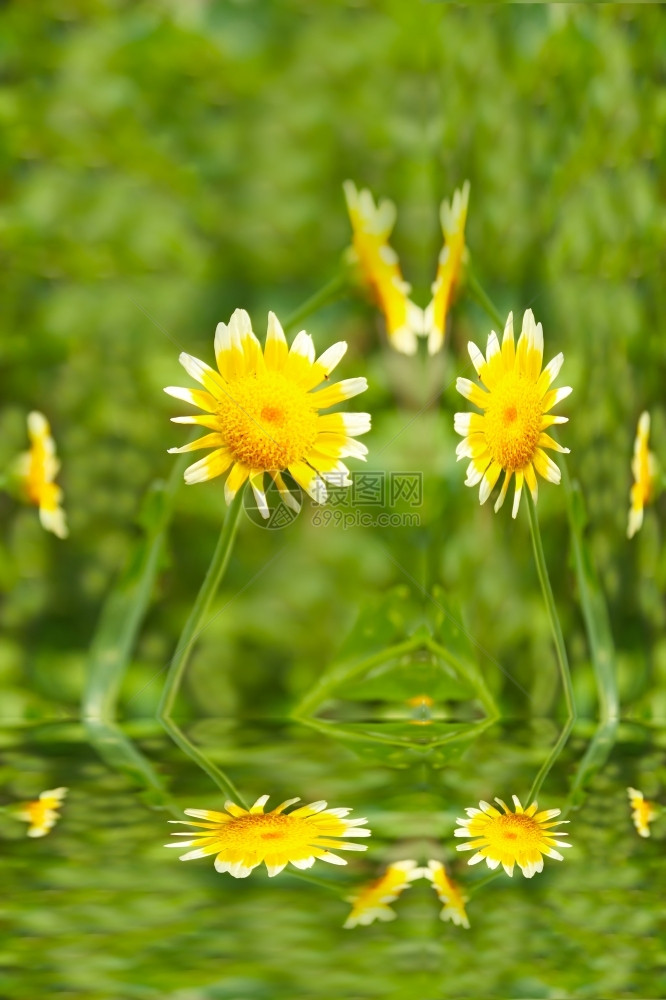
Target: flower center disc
x: 267, y: 421
x: 513, y: 421
x: 518, y: 831
x: 254, y: 833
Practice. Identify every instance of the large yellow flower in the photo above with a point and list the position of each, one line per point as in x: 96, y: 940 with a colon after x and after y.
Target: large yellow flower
x: 452, y: 257
x: 380, y: 270
x: 370, y: 903
x: 242, y: 838
x: 264, y: 415
x: 449, y: 894
x: 644, y: 468
x: 43, y: 812
x: 508, y: 838
x: 37, y: 470
x: 510, y: 434
x: 642, y: 812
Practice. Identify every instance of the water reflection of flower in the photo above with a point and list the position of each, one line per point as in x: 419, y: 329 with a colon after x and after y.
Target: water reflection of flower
x: 242, y: 838
x: 507, y: 838
x: 371, y: 901
x: 42, y: 813
x: 642, y: 811
x: 449, y: 893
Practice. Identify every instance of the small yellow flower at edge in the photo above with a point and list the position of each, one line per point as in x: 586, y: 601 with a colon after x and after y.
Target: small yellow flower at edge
x: 241, y: 839
x: 264, y: 416
x: 644, y: 469
x: 37, y: 469
x: 370, y: 903
x: 43, y: 812
x: 379, y: 267
x: 448, y: 893
x: 643, y: 812
x: 508, y: 838
x: 452, y: 258
x: 510, y: 434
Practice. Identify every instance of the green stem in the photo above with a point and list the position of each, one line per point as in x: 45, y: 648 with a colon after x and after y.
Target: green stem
x: 329, y: 293
x: 547, y: 591
x: 478, y: 294
x: 195, y: 622
x: 595, y: 757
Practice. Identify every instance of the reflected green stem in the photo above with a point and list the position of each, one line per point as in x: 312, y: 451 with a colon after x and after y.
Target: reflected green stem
x: 127, y: 603
x: 547, y: 590
x: 478, y: 294
x: 114, y: 747
x: 329, y: 293
x: 595, y: 757
x: 316, y: 696
x: 223, y: 782
x: 196, y: 619
x: 593, y: 603
x: 544, y: 771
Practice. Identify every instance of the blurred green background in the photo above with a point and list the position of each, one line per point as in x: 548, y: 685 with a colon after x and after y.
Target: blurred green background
x: 166, y: 162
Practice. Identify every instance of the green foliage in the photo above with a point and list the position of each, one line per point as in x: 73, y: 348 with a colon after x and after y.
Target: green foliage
x: 164, y: 163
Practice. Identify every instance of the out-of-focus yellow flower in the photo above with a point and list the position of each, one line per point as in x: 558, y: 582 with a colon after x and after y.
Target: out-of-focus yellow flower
x: 242, y: 838
x: 643, y: 811
x: 379, y: 267
x: 449, y: 894
x: 264, y: 416
x: 644, y: 469
x: 43, y: 813
x: 509, y: 838
x: 452, y: 258
x: 510, y: 434
x: 37, y: 469
x: 370, y: 903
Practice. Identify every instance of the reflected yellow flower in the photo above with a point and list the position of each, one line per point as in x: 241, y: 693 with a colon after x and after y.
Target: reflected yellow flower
x: 43, y: 813
x: 508, y: 838
x: 264, y: 415
x: 449, y: 894
x: 371, y: 902
x: 510, y: 434
x: 644, y: 469
x: 242, y: 838
x: 452, y: 258
x: 643, y: 812
x: 379, y: 267
x: 37, y: 470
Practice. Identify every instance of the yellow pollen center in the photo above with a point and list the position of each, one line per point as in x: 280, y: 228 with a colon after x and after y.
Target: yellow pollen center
x: 268, y: 422
x: 257, y: 833
x: 512, y: 422
x: 517, y: 830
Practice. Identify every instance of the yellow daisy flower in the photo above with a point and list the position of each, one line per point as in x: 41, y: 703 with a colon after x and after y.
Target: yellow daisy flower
x: 510, y: 435
x: 37, y: 470
x: 449, y: 894
x: 43, y: 813
x: 264, y: 415
x: 643, y: 812
x: 371, y: 902
x: 242, y: 838
x: 511, y: 838
x: 644, y: 469
x: 379, y: 267
x: 452, y: 258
